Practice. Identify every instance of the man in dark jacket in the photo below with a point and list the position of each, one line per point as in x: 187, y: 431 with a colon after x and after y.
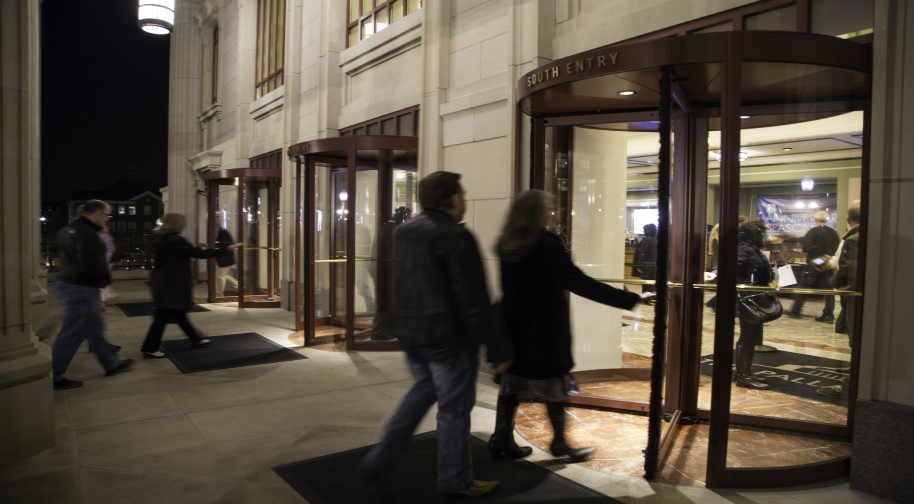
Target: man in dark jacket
x: 820, y: 241
x: 441, y: 314
x: 846, y: 279
x: 83, y: 271
x: 645, y: 260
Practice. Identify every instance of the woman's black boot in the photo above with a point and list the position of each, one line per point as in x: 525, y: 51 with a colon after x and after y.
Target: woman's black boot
x: 559, y: 447
x: 502, y: 444
x: 744, y: 376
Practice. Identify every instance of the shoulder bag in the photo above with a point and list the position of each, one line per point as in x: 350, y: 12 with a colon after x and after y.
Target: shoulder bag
x: 759, y: 307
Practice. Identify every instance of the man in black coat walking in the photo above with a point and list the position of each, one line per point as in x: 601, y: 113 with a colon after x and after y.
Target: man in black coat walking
x: 819, y: 243
x: 83, y: 271
x: 441, y: 315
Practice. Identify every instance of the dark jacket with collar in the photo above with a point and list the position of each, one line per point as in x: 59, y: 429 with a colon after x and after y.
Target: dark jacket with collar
x: 752, y: 266
x: 172, y: 282
x: 440, y: 297
x: 536, y: 307
x: 82, y: 255
x: 846, y: 277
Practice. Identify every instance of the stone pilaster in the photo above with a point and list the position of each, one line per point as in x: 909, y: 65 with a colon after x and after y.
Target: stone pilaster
x: 25, y: 364
x: 184, y: 103
x: 435, y: 58
x: 883, y: 452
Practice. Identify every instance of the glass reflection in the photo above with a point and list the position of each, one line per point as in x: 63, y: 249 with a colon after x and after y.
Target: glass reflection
x: 366, y: 218
x: 225, y: 226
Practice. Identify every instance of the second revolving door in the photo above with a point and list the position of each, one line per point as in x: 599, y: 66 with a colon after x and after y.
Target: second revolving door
x: 353, y: 192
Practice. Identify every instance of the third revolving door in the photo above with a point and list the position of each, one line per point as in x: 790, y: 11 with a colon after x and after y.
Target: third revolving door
x: 244, y: 207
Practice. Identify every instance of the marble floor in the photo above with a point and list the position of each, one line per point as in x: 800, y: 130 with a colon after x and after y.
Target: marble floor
x: 155, y: 435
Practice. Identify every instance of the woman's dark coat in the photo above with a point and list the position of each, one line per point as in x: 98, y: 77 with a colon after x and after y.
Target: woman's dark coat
x: 536, y: 307
x: 752, y: 265
x: 171, y: 279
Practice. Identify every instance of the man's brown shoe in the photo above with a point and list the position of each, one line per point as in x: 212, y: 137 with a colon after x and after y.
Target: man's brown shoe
x: 478, y: 488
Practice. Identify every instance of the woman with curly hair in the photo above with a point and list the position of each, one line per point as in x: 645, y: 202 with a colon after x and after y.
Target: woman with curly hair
x: 536, y: 274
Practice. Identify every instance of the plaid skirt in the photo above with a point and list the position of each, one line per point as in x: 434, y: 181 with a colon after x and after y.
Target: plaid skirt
x: 541, y: 390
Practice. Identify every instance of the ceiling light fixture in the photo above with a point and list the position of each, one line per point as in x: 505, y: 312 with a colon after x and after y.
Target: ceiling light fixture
x: 744, y: 117
x: 788, y: 149
x: 718, y: 155
x: 156, y: 16
x: 627, y: 93
x: 807, y: 183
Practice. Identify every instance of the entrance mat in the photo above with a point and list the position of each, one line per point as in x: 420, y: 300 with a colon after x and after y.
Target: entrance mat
x: 148, y: 308
x: 335, y: 479
x: 229, y: 351
x: 793, y: 373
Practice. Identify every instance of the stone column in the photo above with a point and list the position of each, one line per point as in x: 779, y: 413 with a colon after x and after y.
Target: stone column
x: 25, y: 364
x: 184, y: 99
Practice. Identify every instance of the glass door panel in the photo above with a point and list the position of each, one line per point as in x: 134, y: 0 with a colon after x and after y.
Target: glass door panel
x: 325, y: 291
x: 325, y: 217
x: 794, y: 371
x: 597, y: 199
x: 224, y: 223
x: 587, y: 169
x: 260, y: 232
x: 339, y: 239
x: 367, y: 203
x: 403, y: 200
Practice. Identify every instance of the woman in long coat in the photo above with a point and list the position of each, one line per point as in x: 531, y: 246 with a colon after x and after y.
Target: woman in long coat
x: 536, y: 273
x: 752, y: 269
x: 172, y: 283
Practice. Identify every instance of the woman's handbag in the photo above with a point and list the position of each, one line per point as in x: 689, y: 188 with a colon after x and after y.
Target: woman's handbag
x: 760, y: 307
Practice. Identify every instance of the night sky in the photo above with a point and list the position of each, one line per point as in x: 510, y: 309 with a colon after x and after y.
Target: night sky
x: 104, y: 93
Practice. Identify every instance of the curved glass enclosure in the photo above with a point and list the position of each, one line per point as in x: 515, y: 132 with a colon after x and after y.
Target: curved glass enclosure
x: 244, y: 207
x: 693, y: 135
x: 352, y: 191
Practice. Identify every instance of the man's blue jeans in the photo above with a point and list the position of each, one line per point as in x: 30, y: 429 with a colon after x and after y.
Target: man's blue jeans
x: 446, y: 375
x: 82, y: 319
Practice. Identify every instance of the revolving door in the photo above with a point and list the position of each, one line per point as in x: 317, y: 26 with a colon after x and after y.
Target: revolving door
x: 352, y: 191
x: 686, y: 133
x: 243, y: 206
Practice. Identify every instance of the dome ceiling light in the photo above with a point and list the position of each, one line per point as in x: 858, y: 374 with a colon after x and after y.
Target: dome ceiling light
x: 156, y: 16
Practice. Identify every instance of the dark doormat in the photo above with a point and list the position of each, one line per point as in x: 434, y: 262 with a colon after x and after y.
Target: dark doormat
x: 793, y: 373
x: 335, y: 479
x: 148, y: 308
x: 229, y: 351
